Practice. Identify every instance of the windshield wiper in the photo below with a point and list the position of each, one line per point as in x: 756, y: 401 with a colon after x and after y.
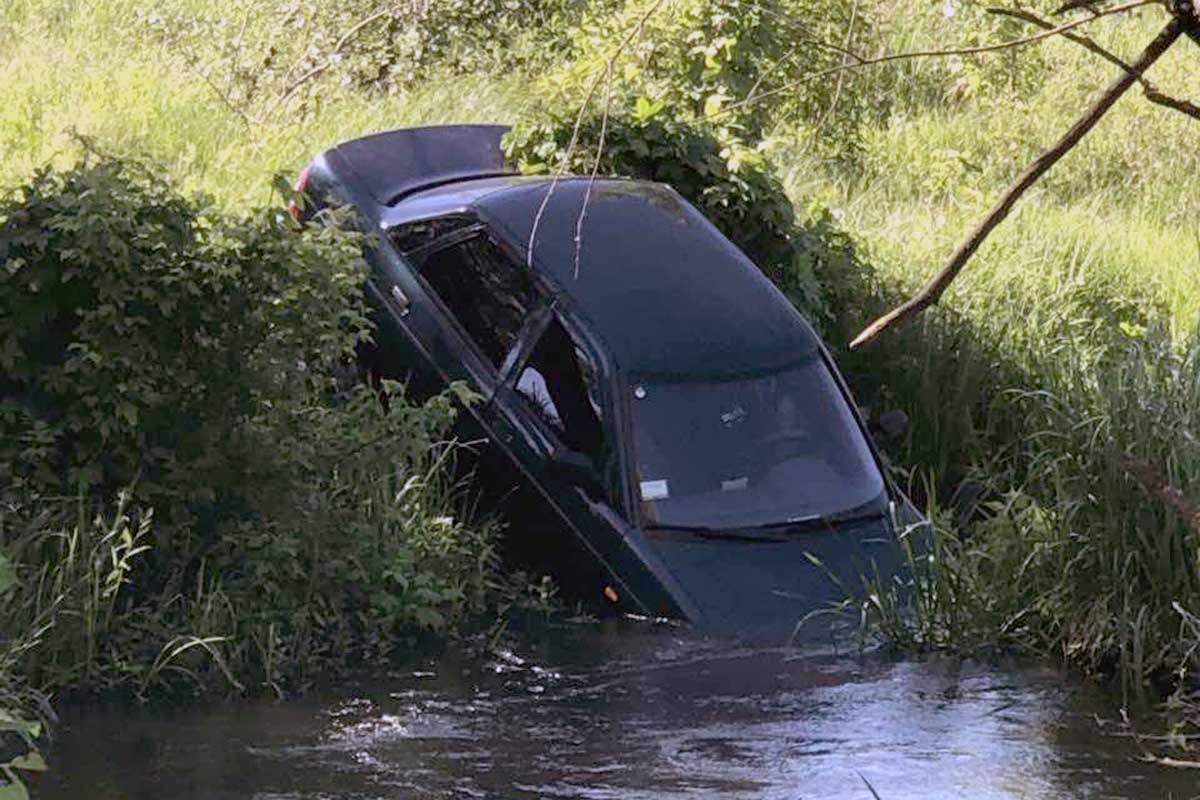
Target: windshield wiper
x: 823, y: 520
x: 750, y: 533
x: 726, y: 534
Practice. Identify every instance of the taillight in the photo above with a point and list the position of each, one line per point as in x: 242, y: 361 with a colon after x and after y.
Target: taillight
x: 301, y: 189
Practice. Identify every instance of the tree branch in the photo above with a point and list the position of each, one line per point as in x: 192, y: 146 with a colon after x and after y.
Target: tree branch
x: 1155, y: 484
x: 1149, y: 90
x: 295, y: 85
x: 564, y: 164
x: 962, y: 51
x: 930, y: 294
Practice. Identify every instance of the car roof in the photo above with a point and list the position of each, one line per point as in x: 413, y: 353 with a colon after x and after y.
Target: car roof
x: 654, y: 279
x: 669, y: 295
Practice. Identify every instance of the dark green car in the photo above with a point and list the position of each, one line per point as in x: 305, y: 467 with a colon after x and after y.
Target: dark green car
x: 684, y: 434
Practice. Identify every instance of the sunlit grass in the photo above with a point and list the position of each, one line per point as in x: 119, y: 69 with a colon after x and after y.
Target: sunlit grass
x: 85, y: 69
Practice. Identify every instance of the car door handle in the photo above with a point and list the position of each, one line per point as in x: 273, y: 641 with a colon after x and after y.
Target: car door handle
x: 401, y: 300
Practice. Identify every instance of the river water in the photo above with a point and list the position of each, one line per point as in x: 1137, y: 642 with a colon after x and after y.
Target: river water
x: 628, y: 711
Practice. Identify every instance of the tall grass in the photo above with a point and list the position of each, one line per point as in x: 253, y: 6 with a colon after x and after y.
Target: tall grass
x: 1055, y: 392
x: 99, y: 69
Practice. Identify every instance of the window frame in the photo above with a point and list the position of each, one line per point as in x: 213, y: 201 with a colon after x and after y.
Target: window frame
x: 488, y: 375
x: 612, y: 472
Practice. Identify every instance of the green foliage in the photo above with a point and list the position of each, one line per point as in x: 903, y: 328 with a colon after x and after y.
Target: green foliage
x: 1048, y: 348
x: 1050, y: 542
x: 704, y: 59
x: 28, y: 758
x: 141, y: 330
x: 371, y: 545
x: 157, y: 344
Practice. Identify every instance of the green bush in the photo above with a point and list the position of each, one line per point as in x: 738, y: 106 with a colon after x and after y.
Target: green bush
x: 1057, y: 447
x: 141, y: 330
x: 703, y: 59
x: 182, y: 360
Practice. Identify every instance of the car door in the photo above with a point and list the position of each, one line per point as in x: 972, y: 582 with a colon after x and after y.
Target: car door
x: 484, y: 317
x: 450, y: 299
x: 552, y: 411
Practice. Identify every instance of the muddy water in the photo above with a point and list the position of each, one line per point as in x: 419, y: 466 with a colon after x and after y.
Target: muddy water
x: 628, y: 711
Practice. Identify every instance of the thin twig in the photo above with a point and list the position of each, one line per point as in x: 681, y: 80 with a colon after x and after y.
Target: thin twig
x: 237, y: 53
x: 1193, y: 32
x: 587, y: 100
x: 327, y: 63
x: 224, y: 98
x: 962, y: 51
x: 795, y: 49
x: 1149, y: 90
x: 587, y: 196
x: 934, y: 289
x: 837, y: 92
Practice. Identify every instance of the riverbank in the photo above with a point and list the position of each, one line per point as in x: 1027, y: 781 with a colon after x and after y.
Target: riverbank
x: 190, y: 502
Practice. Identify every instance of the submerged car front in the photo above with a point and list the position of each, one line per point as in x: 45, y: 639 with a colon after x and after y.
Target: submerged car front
x: 749, y: 474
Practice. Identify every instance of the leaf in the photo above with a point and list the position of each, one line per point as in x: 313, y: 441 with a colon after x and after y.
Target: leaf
x: 30, y: 762
x: 429, y: 618
x: 280, y: 183
x: 8, y: 575
x: 14, y: 791
x: 9, y: 722
x: 645, y: 108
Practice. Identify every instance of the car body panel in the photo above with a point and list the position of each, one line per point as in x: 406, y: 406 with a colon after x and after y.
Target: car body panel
x: 640, y: 283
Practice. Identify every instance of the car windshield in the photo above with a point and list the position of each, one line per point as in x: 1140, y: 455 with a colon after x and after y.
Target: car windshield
x: 750, y: 452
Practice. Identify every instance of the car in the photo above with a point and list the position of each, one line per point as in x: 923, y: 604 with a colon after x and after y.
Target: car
x: 682, y: 431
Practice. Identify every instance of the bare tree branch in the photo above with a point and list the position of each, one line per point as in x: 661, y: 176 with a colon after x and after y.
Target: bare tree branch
x: 1156, y: 485
x: 934, y: 289
x: 595, y: 170
x: 587, y: 100
x: 961, y: 51
x: 327, y: 63
x: 837, y: 92
x: 1149, y: 90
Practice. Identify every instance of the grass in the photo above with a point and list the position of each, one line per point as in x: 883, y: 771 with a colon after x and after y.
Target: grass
x: 135, y: 94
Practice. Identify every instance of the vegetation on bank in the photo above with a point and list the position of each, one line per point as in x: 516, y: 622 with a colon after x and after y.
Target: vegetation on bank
x: 190, y: 500
x: 1054, y: 393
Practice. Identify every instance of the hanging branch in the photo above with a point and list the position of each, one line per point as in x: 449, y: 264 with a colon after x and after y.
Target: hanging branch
x: 1149, y: 90
x: 564, y: 164
x: 329, y: 61
x: 859, y: 62
x: 932, y: 291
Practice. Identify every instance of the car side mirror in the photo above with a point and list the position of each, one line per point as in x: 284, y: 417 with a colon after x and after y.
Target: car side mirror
x: 574, y: 467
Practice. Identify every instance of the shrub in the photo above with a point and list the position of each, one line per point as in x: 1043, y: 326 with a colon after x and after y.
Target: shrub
x: 703, y: 58
x: 158, y: 347
x: 142, y: 330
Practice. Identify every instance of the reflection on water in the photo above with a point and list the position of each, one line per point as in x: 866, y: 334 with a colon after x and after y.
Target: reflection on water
x: 627, y: 712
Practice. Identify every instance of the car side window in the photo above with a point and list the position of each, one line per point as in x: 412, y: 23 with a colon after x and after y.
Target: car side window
x: 484, y: 290
x: 559, y: 382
